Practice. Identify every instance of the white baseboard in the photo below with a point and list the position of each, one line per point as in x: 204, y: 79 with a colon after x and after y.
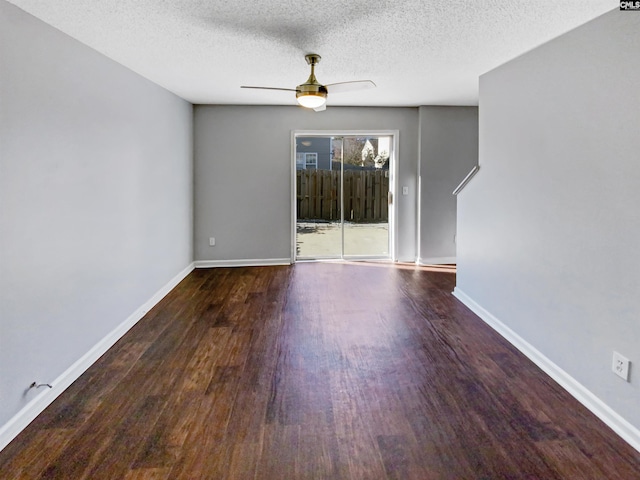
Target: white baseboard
x: 242, y: 263
x: 30, y: 411
x: 600, y: 409
x: 436, y: 261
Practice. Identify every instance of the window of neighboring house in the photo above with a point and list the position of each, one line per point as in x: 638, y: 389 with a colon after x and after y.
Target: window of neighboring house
x: 306, y: 160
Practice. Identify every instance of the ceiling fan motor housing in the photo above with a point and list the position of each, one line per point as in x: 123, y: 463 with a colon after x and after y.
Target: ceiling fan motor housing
x: 311, y: 89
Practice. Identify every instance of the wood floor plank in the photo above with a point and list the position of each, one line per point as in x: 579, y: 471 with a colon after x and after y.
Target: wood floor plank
x: 245, y: 459
x: 127, y: 440
x: 32, y: 460
x: 316, y: 371
x: 280, y: 454
x: 147, y: 474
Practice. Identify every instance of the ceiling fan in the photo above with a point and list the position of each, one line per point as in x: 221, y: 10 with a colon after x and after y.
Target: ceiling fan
x: 312, y: 94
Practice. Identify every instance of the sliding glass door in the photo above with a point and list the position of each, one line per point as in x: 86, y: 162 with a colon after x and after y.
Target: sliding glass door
x: 342, y: 185
x: 319, y: 199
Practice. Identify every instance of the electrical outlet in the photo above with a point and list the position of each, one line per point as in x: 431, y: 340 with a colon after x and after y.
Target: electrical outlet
x: 621, y: 366
x: 212, y: 241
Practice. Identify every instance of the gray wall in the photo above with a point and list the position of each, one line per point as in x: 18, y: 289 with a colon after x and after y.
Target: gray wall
x: 95, y: 199
x: 448, y: 151
x: 243, y: 175
x: 548, y: 230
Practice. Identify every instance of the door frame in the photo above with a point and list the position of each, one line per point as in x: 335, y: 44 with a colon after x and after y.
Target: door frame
x: 393, y: 172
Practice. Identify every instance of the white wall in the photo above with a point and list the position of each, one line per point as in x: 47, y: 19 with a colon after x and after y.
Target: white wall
x: 96, y: 196
x: 548, y: 231
x: 448, y: 151
x: 243, y: 175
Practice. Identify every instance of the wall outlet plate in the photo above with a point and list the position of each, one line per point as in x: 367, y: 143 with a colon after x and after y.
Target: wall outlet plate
x: 620, y: 366
x: 212, y: 241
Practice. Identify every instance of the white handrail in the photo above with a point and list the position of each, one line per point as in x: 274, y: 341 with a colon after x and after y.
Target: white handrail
x: 466, y: 180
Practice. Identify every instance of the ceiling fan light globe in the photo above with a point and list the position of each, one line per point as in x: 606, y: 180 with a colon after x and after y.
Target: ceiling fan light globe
x: 311, y: 100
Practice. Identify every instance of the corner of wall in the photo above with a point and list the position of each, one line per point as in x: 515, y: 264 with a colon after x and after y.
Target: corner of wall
x: 600, y: 409
x: 25, y: 416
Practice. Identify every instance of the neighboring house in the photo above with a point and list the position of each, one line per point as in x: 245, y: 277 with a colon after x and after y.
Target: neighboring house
x: 372, y: 153
x: 378, y: 150
x: 313, y: 153
x: 369, y: 149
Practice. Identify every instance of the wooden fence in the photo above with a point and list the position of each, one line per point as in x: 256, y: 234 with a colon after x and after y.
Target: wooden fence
x: 365, y: 194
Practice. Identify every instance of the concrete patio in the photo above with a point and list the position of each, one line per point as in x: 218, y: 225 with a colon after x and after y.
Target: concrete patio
x: 324, y: 239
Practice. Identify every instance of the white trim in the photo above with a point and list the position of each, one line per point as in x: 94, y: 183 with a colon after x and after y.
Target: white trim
x: 418, y: 220
x: 393, y: 186
x: 293, y: 207
x: 30, y: 411
x: 242, y: 263
x: 436, y: 260
x: 622, y: 427
x: 466, y: 180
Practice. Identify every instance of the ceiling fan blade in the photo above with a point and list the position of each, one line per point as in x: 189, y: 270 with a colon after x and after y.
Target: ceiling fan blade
x: 350, y: 86
x: 272, y: 88
x: 321, y: 108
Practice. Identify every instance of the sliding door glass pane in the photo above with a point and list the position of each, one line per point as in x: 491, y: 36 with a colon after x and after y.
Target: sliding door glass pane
x: 318, y: 222
x: 366, y: 189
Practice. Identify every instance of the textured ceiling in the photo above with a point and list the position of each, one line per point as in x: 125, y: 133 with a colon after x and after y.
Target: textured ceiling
x: 419, y: 52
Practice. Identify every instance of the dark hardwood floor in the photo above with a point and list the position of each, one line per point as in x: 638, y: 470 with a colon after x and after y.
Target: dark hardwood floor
x: 316, y: 371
